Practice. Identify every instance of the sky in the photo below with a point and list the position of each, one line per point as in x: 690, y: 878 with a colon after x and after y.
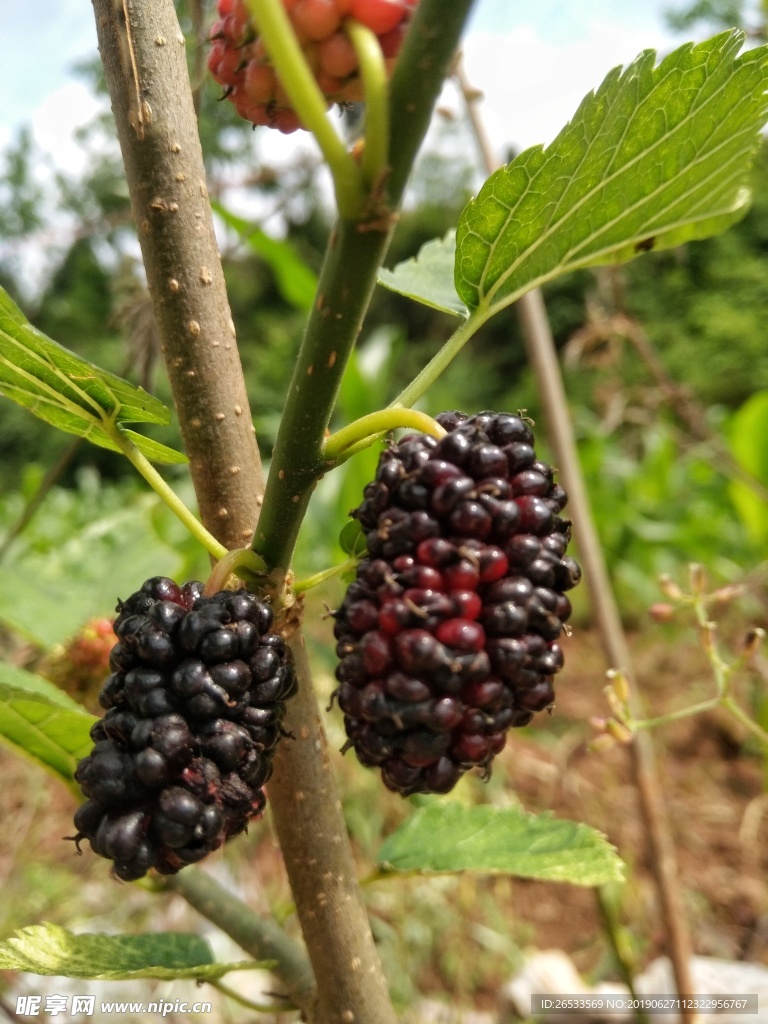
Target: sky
x: 533, y: 62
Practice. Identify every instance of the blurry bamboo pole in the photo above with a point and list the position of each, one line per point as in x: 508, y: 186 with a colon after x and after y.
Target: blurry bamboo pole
x: 543, y: 358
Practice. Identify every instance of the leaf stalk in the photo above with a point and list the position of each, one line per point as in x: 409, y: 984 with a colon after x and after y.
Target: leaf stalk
x: 142, y: 465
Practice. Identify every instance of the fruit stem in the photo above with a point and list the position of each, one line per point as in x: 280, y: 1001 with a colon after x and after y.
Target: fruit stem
x: 241, y: 562
x: 373, y: 71
x: 304, y: 93
x: 143, y: 466
x: 368, y: 428
x: 316, y: 579
x: 442, y: 359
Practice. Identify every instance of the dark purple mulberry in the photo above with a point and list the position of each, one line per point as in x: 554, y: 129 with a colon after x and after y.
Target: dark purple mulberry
x: 194, y: 706
x: 447, y: 637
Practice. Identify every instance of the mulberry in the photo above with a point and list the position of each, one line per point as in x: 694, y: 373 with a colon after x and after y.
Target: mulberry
x: 194, y: 707
x: 239, y: 62
x: 447, y: 637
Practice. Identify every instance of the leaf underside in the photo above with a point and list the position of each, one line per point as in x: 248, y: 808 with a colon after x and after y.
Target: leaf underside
x: 49, y: 949
x: 428, y: 276
x: 655, y: 157
x: 69, y: 392
x: 449, y: 837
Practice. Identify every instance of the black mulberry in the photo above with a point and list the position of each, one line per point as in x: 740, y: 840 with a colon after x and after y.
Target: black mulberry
x: 193, y: 712
x: 447, y: 637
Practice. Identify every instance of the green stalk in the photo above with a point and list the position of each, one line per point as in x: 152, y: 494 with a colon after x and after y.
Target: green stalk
x: 230, y: 993
x: 346, y: 282
x: 259, y: 936
x: 316, y: 579
x: 741, y: 716
x: 369, y: 427
x: 439, y: 362
x: 143, y: 466
x: 675, y: 716
x: 373, y: 71
x: 309, y: 103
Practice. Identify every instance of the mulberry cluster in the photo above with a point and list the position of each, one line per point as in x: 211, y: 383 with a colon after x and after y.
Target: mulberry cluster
x: 447, y: 637
x: 239, y: 62
x: 194, y: 706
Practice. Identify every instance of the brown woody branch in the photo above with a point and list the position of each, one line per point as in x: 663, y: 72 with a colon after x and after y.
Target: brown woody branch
x: 143, y: 52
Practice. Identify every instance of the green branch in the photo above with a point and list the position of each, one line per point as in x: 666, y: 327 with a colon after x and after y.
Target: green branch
x: 260, y: 937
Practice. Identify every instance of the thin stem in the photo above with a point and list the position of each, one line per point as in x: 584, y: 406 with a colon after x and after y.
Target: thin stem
x: 318, y: 578
x: 374, y: 74
x: 142, y: 465
x: 723, y: 701
x: 369, y: 427
x: 346, y: 282
x: 741, y: 716
x: 230, y: 993
x: 439, y: 362
x: 675, y: 716
x: 382, y: 874
x: 626, y: 965
x: 304, y: 93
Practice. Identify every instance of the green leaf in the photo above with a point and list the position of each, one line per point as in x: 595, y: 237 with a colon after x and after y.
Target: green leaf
x: 296, y: 282
x: 43, y: 729
x: 352, y: 539
x: 20, y: 679
x: 49, y: 949
x: 447, y: 837
x: 154, y: 450
x: 428, y: 276
x: 70, y: 393
x: 748, y: 440
x: 655, y: 157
